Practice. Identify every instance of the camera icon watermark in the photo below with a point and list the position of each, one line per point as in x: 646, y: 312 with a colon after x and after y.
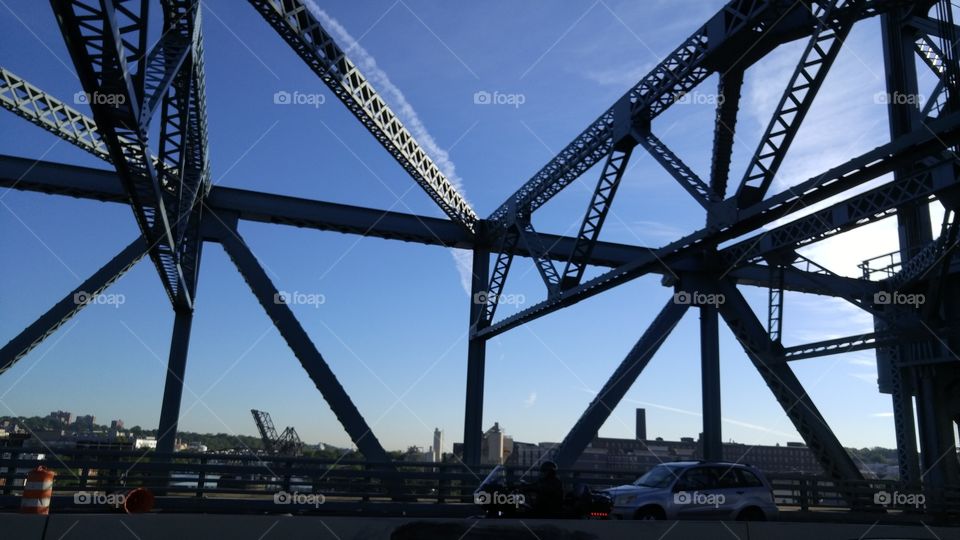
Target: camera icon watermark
x: 898, y: 98
x: 96, y: 98
x: 887, y: 499
x: 300, y: 298
x: 700, y: 499
x: 895, y: 298
x: 83, y: 298
x: 300, y: 499
x: 483, y: 97
x: 485, y: 297
x: 99, y: 498
x: 483, y: 498
x: 698, y: 98
x: 282, y: 97
x: 697, y: 298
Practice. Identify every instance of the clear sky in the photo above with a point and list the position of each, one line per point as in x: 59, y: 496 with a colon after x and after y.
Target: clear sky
x: 394, y: 319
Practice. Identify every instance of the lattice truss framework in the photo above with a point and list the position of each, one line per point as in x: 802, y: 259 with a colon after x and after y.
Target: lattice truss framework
x: 177, y: 210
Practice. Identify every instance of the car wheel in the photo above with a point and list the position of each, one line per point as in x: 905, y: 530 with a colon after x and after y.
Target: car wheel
x: 649, y: 513
x: 751, y: 514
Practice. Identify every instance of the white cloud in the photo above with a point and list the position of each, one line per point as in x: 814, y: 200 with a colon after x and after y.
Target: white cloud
x: 377, y: 77
x: 531, y: 400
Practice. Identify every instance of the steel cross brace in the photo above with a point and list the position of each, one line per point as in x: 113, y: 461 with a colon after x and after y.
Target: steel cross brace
x: 71, y: 304
x: 225, y: 232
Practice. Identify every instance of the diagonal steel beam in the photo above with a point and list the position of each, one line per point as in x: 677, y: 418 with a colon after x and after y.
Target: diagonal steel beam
x: 71, y: 304
x: 618, y: 384
x: 538, y: 251
x: 724, y: 130
x: 298, y: 340
x: 298, y: 26
x: 596, y: 214
x: 811, y: 71
x: 785, y: 386
x: 498, y: 278
x: 679, y: 170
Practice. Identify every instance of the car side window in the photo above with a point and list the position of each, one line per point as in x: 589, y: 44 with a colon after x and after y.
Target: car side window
x: 727, y: 477
x: 698, y: 478
x: 748, y: 479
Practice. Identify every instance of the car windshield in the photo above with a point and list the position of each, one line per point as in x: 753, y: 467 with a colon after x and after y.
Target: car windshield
x: 658, y: 477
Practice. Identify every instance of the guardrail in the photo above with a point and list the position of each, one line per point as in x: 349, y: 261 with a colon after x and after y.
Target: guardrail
x: 90, y: 479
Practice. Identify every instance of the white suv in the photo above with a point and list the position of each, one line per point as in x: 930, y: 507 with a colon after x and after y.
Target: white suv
x: 696, y: 490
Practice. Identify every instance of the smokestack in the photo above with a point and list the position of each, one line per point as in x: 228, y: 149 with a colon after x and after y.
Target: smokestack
x: 641, y: 424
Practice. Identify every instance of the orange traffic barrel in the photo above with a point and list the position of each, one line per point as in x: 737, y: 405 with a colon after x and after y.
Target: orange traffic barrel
x: 138, y: 500
x: 37, y: 491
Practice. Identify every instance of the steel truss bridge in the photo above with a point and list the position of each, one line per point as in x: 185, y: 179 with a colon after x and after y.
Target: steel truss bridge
x: 167, y: 187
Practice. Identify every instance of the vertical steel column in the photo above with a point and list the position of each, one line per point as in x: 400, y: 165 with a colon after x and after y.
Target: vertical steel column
x: 914, y: 230
x: 173, y: 388
x: 710, y: 383
x: 476, y: 359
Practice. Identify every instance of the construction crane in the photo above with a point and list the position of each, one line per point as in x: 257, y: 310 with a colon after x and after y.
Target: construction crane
x: 287, y: 443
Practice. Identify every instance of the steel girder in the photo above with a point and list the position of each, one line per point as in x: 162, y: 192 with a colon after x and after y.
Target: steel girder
x: 725, y: 124
x: 737, y: 35
x: 619, y: 383
x: 785, y: 386
x: 225, y: 233
x: 921, y: 143
x: 29, y: 102
x: 104, y: 40
x: 307, y: 37
x: 596, y: 214
x: 811, y: 71
x: 71, y: 304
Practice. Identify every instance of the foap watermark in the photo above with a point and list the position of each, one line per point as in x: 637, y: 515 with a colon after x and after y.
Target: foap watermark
x: 894, y: 298
x: 885, y: 498
x: 698, y: 98
x: 97, y: 98
x: 484, y: 297
x: 483, y: 498
x: 282, y: 97
x: 700, y: 499
x: 483, y: 97
x: 299, y: 298
x: 898, y: 98
x: 82, y: 298
x: 697, y: 298
x: 301, y: 499
x: 99, y: 498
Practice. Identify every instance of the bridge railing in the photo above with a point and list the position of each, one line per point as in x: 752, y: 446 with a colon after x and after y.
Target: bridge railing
x: 91, y: 479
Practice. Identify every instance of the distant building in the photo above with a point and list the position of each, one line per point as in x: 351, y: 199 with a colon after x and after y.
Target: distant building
x: 496, y: 447
x: 437, y: 447
x: 62, y: 418
x: 85, y: 423
x: 641, y: 424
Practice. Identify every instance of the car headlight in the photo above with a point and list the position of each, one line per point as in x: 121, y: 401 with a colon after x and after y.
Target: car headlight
x: 624, y: 500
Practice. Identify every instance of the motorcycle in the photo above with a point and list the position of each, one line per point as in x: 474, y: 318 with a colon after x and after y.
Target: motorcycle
x: 499, y: 499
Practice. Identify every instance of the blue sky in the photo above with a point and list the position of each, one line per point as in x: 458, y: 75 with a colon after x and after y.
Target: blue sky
x: 394, y: 318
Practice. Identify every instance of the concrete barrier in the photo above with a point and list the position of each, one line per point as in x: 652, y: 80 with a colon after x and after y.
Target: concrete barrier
x: 281, y: 527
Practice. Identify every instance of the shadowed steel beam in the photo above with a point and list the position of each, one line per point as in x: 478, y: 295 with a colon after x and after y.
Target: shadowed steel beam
x: 537, y: 250
x: 679, y: 170
x: 724, y: 131
x: 498, y: 278
x: 811, y: 71
x: 173, y: 387
x: 305, y: 35
x: 104, y: 39
x: 619, y: 383
x: 785, y: 386
x: 596, y: 214
x: 710, y: 383
x: 300, y: 343
x: 476, y: 362
x: 72, y: 303
x: 879, y: 161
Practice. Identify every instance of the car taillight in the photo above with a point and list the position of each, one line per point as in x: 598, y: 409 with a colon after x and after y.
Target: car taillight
x: 599, y: 515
